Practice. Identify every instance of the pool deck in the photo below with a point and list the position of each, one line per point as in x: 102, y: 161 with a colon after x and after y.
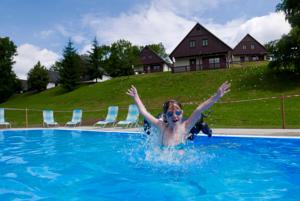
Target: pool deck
x: 216, y: 131
x: 219, y: 131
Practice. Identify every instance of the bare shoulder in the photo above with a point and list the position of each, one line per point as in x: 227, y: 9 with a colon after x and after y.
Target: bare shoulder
x: 185, y: 124
x: 163, y: 124
x: 160, y: 124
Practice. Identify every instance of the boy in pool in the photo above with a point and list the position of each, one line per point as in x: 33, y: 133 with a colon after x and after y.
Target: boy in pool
x: 175, y: 130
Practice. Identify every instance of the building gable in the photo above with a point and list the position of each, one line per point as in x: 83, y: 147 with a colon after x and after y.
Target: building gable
x: 54, y: 76
x: 199, y: 41
x: 249, y: 46
x: 148, y: 56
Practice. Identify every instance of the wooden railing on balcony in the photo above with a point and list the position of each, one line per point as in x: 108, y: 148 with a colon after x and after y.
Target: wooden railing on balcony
x: 188, y: 68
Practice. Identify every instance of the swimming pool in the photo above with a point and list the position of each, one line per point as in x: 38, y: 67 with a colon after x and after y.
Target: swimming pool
x: 85, y: 165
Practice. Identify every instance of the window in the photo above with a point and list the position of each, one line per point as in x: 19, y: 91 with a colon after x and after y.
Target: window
x: 150, y: 56
x: 214, y: 62
x: 204, y: 42
x: 244, y: 47
x: 192, y: 43
x: 252, y: 47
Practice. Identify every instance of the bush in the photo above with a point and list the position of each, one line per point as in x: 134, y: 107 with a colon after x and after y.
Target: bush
x: 38, y: 78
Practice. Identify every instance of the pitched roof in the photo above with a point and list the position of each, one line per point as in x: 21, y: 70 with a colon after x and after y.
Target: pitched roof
x: 53, y: 76
x: 24, y: 84
x: 247, y: 41
x: 148, y: 56
x: 199, y: 33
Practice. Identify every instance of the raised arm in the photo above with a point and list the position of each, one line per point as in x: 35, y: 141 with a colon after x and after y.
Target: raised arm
x: 196, y: 115
x: 134, y: 94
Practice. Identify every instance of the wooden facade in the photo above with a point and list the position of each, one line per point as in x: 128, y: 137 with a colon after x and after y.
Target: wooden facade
x: 249, y: 49
x: 152, y: 62
x: 200, y: 50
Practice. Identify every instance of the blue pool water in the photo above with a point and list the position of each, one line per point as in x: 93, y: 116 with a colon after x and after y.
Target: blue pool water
x: 82, y: 165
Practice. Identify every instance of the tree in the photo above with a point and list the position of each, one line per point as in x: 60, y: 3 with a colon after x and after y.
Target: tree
x: 160, y: 50
x: 70, y: 68
x: 38, y: 78
x: 122, y: 58
x: 286, y: 51
x: 95, y: 70
x: 291, y: 8
x: 8, y: 79
x: 271, y: 45
x: 84, y: 68
x: 55, y: 67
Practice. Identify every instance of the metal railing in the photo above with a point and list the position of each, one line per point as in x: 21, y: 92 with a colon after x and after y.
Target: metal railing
x: 30, y: 117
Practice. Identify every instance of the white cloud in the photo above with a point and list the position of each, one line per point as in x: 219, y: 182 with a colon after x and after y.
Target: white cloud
x: 85, y: 49
x: 188, y: 8
x: 74, y: 35
x: 78, y: 39
x: 29, y: 55
x: 62, y: 30
x: 160, y: 22
x: 46, y: 33
x: 263, y: 28
x: 144, y: 27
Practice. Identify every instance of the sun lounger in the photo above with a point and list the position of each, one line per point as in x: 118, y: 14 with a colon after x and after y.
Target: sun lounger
x: 132, y: 117
x: 2, y: 119
x: 111, y: 117
x: 76, y: 118
x: 48, y: 118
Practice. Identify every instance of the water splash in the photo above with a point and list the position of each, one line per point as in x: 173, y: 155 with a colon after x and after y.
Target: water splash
x: 148, y: 153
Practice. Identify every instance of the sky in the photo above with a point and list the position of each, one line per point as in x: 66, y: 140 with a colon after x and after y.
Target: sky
x: 41, y: 29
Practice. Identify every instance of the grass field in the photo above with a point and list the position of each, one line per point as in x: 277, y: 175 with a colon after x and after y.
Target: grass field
x: 252, y: 81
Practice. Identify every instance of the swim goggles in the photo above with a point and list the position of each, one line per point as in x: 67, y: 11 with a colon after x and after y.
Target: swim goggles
x: 177, y: 113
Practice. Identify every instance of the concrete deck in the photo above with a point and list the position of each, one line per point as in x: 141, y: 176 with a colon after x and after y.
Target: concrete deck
x: 258, y: 132
x: 216, y: 131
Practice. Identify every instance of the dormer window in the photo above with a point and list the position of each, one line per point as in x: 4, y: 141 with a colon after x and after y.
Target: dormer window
x: 204, y: 42
x: 244, y: 47
x: 192, y: 43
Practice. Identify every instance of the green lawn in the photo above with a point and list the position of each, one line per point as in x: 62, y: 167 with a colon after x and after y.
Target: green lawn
x: 250, y: 81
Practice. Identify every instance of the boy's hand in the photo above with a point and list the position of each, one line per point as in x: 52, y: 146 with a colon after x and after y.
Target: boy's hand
x: 132, y: 92
x: 223, y: 89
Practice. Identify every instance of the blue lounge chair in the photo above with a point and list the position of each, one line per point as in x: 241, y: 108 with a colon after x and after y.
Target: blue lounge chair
x: 76, y: 118
x: 111, y: 117
x: 132, y: 117
x: 2, y: 119
x: 48, y: 118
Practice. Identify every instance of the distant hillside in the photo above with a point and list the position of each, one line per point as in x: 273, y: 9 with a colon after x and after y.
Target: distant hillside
x: 248, y: 82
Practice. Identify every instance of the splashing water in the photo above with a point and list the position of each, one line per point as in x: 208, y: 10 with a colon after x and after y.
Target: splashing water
x: 151, y: 154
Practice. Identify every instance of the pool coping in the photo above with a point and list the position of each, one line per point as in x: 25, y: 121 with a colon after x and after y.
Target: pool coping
x: 230, y: 132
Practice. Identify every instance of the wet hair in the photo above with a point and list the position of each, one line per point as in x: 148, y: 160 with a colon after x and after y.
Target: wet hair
x: 167, y: 104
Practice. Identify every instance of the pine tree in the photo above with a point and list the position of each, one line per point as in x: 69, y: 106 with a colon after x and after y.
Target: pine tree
x: 38, y: 78
x: 8, y: 80
x: 95, y: 69
x: 70, y: 68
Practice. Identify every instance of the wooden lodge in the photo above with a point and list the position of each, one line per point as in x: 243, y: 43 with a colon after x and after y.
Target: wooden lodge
x: 152, y: 62
x: 200, y: 50
x: 249, y: 49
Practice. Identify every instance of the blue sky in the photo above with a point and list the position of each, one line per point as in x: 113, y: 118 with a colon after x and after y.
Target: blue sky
x: 41, y: 29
